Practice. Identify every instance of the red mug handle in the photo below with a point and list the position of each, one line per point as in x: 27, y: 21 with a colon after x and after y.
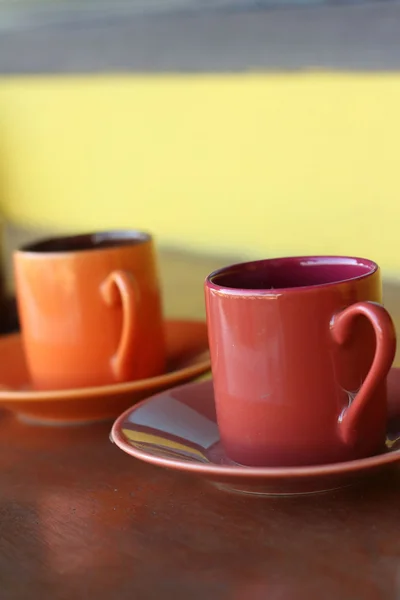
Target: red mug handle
x: 383, y: 359
x: 120, y: 287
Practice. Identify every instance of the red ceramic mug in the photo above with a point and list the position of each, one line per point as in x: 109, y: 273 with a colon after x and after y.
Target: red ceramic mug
x: 300, y: 349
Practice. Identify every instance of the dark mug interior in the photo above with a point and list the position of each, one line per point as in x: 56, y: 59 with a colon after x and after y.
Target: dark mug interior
x: 88, y: 241
x: 295, y: 272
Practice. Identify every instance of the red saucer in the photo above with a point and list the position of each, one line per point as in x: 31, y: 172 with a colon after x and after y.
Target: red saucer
x: 187, y: 358
x: 177, y: 429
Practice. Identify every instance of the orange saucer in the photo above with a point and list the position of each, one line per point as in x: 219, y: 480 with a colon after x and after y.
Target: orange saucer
x: 187, y: 358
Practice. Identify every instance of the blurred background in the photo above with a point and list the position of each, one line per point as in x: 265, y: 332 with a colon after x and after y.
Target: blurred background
x: 228, y: 128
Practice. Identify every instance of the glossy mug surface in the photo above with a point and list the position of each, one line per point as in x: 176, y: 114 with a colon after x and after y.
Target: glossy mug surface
x: 90, y: 309
x: 300, y: 349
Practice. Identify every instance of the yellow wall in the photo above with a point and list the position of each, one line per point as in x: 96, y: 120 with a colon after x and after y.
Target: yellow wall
x: 248, y: 163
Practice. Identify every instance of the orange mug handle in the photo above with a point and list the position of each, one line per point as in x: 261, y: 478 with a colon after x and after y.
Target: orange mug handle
x: 383, y: 359
x: 120, y: 287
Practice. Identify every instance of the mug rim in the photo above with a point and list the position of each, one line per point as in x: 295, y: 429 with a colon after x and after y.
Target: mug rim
x: 241, y: 266
x: 38, y: 248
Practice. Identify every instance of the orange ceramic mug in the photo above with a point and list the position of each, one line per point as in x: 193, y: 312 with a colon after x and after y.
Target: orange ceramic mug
x: 90, y: 309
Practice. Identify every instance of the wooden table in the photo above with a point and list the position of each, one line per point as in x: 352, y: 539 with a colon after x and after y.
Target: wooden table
x: 81, y: 520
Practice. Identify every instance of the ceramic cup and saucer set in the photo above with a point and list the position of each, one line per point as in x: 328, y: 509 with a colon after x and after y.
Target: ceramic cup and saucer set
x: 93, y: 337
x: 303, y: 396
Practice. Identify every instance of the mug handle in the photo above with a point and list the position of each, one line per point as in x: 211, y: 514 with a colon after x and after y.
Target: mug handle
x: 383, y: 359
x: 120, y: 286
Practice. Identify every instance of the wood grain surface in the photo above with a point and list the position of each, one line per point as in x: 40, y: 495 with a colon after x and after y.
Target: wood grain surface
x: 79, y: 519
